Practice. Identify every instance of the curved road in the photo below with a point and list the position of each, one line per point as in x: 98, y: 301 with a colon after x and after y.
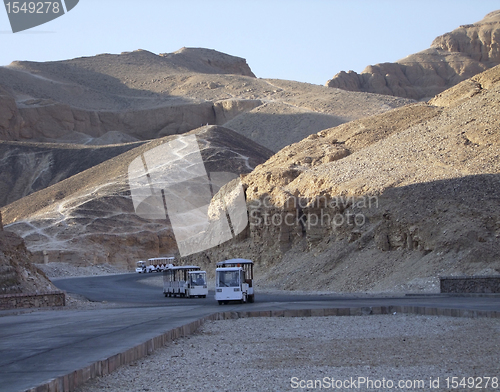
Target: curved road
x: 128, y: 289
x: 39, y: 346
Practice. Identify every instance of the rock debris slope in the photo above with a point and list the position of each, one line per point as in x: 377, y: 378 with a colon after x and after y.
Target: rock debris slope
x: 452, y: 58
x: 90, y: 218
x: 385, y: 203
x: 17, y: 274
x: 57, y: 118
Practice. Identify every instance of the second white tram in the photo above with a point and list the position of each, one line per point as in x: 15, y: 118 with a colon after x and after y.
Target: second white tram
x: 185, y: 281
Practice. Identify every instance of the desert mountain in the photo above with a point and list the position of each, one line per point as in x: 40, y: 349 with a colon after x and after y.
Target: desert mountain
x: 89, y: 218
x: 138, y: 96
x: 385, y: 203
x: 365, y: 192
x: 141, y: 96
x: 452, y: 58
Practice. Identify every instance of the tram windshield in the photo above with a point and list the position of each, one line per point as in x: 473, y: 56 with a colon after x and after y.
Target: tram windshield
x: 197, y: 279
x: 228, y: 278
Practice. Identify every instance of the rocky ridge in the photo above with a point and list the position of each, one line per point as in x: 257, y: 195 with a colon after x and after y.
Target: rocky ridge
x: 140, y: 95
x: 386, y: 203
x: 452, y: 58
x: 58, y: 118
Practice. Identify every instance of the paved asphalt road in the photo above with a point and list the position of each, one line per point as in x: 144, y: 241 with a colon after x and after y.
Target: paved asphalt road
x: 127, y: 288
x: 36, y: 347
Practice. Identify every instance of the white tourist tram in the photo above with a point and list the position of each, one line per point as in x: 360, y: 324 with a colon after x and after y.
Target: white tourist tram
x: 158, y: 264
x: 185, y: 281
x: 140, y: 266
x: 234, y: 281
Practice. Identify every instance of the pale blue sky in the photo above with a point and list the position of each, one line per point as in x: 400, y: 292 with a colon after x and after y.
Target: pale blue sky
x: 303, y: 40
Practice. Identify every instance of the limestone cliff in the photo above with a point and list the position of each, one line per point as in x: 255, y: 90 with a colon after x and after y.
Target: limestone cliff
x: 60, y: 118
x: 141, y: 96
x: 452, y: 58
x: 90, y: 217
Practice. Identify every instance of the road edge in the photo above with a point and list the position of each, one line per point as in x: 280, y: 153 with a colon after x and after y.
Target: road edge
x: 71, y: 381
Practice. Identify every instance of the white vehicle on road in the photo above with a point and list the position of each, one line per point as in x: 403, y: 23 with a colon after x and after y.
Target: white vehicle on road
x: 141, y: 267
x: 234, y: 281
x: 185, y: 281
x: 158, y: 264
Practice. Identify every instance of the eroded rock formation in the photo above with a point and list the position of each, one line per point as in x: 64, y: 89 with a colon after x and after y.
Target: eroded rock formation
x: 452, y: 58
x: 142, y: 96
x: 385, y: 203
x: 17, y: 274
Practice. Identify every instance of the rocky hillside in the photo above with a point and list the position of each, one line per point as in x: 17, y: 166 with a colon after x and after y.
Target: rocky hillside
x: 90, y: 218
x: 385, y: 203
x: 60, y: 118
x: 17, y: 274
x: 452, y: 58
x: 140, y: 96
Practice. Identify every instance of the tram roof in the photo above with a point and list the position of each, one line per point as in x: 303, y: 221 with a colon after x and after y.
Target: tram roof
x: 183, y: 267
x: 235, y: 261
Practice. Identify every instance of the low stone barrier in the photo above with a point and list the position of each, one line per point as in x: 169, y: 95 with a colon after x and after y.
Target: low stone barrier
x: 470, y: 284
x: 15, y: 301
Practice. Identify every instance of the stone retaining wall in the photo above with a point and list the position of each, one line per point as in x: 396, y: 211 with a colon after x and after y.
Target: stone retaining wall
x: 71, y: 381
x: 470, y: 284
x: 14, y: 301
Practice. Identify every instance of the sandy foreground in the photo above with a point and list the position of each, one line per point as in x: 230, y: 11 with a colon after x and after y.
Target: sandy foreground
x: 378, y: 352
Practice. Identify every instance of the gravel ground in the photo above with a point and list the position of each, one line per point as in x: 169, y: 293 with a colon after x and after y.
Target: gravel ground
x: 67, y: 270
x: 278, y: 354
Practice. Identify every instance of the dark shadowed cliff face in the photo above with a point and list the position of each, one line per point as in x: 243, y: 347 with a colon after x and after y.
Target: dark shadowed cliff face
x: 452, y: 58
x: 29, y: 167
